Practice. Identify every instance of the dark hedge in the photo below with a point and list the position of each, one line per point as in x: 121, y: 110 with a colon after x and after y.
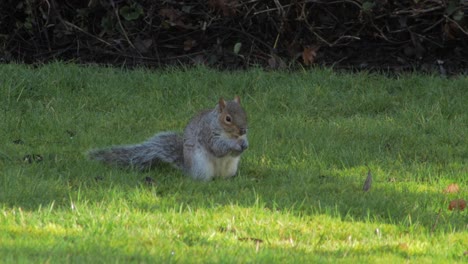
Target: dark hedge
x: 232, y: 34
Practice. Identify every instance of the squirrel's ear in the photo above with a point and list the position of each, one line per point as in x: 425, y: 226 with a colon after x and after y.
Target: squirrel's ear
x: 237, y: 99
x: 222, y: 104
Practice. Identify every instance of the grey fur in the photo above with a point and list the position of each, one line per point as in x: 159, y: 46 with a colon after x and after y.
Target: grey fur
x: 206, y: 149
x: 162, y: 147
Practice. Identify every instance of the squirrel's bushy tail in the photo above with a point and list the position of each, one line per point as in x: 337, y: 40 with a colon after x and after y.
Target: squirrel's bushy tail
x: 163, y: 147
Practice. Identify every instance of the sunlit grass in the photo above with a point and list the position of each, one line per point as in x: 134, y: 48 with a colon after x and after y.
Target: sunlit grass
x: 298, y: 196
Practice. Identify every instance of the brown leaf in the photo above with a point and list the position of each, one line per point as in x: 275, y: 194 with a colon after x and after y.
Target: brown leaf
x: 403, y: 246
x: 459, y: 204
x: 452, y: 188
x: 309, y: 54
x: 189, y: 44
x: 143, y: 45
x: 448, y: 31
x: 170, y: 13
x: 175, y: 18
x: 228, y: 7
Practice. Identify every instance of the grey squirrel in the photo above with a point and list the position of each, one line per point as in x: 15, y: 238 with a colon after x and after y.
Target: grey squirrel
x: 210, y: 146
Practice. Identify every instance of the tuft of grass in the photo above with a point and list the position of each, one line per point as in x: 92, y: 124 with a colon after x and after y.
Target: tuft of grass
x: 298, y: 196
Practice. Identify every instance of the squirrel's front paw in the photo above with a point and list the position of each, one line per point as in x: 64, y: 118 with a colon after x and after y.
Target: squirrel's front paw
x: 240, y: 146
x: 237, y: 147
x: 244, y: 144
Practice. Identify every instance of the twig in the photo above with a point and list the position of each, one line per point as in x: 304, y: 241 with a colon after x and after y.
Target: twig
x: 458, y: 25
x: 335, y: 2
x: 272, y: 9
x: 86, y: 33
x: 121, y: 26
x: 415, y: 12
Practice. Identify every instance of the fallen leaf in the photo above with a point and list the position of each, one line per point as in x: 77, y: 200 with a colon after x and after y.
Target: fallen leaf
x: 189, y: 44
x: 403, y: 246
x: 459, y: 204
x: 452, y: 188
x: 143, y: 45
x: 175, y: 18
x: 170, y: 13
x: 228, y: 7
x: 309, y: 54
x: 448, y: 32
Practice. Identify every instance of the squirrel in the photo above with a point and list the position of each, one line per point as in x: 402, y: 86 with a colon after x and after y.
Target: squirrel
x: 210, y: 146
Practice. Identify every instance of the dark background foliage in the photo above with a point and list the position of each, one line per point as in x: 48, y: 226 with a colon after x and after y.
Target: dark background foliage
x: 428, y: 35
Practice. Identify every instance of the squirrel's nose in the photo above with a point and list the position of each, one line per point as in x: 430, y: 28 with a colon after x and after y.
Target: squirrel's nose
x: 242, y: 131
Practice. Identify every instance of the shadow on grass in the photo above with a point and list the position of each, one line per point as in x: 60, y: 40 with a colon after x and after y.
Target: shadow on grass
x: 274, y: 189
x: 388, y: 202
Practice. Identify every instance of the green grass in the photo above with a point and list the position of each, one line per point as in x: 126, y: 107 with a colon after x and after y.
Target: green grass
x: 298, y: 196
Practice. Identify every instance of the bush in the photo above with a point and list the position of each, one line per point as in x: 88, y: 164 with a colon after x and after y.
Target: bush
x: 368, y: 34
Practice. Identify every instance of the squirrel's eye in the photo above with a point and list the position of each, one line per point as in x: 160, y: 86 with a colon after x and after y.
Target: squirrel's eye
x: 228, y: 119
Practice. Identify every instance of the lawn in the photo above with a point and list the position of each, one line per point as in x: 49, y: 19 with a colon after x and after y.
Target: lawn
x: 313, y: 135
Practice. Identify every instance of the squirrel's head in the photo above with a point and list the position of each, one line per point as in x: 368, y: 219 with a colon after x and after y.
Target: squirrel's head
x: 232, y: 117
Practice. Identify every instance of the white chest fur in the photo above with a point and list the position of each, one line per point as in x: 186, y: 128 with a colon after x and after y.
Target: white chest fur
x: 225, y: 166
x: 207, y: 166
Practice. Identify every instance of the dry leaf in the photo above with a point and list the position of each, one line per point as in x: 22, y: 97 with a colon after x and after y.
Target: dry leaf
x: 175, y: 18
x: 143, y: 45
x: 452, y: 188
x: 449, y: 31
x: 309, y: 54
x: 227, y: 6
x: 459, y: 204
x: 368, y: 182
x: 170, y: 13
x: 189, y: 44
x: 403, y: 246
